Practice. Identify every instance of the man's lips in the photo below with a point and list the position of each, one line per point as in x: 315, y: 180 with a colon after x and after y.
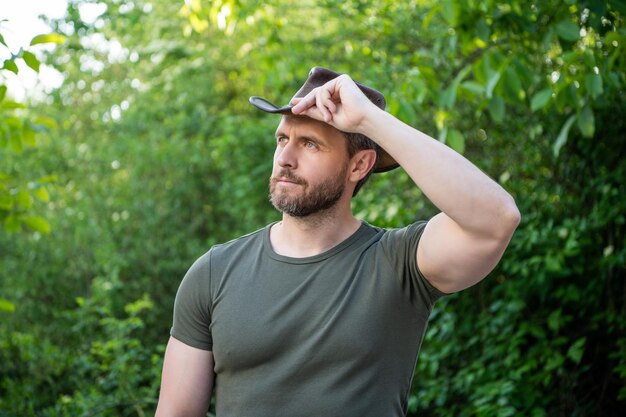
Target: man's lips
x: 286, y: 183
x: 285, y: 180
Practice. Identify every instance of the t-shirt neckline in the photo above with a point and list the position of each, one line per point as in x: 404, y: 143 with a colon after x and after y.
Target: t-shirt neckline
x: 354, y: 237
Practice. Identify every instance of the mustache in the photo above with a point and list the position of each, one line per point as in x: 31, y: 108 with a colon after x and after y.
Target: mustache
x: 288, y: 175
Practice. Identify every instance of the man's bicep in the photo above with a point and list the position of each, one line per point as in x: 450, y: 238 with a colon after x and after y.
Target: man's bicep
x: 186, y: 382
x: 452, y: 260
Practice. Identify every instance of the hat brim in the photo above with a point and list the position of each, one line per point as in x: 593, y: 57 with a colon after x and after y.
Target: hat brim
x: 385, y: 161
x: 265, y: 105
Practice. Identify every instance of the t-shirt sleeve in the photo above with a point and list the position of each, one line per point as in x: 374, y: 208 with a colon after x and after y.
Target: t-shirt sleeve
x: 192, y: 314
x: 400, y: 246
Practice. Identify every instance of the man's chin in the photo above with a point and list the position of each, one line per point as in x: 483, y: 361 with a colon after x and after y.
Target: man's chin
x: 295, y: 202
x: 299, y: 211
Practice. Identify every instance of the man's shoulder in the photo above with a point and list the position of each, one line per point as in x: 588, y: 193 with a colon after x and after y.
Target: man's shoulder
x: 417, y: 225
x: 224, y: 253
x: 390, y: 238
x: 251, y: 239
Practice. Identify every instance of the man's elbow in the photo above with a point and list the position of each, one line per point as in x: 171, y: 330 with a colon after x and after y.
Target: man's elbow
x: 510, y: 218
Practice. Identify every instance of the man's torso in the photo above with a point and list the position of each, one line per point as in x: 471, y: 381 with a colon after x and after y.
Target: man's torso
x: 333, y: 334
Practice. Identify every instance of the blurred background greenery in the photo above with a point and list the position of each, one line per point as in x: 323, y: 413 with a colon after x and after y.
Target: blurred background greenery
x: 112, y: 184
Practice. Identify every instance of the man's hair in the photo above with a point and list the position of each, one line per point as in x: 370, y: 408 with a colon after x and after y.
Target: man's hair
x: 357, y: 142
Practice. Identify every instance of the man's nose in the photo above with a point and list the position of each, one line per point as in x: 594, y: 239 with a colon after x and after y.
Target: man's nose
x: 286, y: 155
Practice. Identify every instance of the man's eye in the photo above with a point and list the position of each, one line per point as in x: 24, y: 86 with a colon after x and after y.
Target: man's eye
x: 281, y: 139
x: 310, y: 145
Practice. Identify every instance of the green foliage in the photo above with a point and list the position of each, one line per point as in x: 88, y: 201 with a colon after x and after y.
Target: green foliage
x: 18, y: 133
x: 158, y: 155
x: 45, y: 376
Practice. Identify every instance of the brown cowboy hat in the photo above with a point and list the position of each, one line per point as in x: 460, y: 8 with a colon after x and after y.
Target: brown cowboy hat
x: 319, y: 76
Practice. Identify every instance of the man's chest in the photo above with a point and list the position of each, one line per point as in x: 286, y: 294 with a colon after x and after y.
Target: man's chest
x: 263, y: 314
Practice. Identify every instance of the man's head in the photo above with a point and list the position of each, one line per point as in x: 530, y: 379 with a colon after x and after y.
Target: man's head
x: 314, y: 164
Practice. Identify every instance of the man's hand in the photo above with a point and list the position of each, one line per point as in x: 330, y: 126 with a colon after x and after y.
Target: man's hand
x: 339, y: 102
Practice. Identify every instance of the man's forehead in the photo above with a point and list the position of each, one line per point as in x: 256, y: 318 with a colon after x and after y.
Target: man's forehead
x: 288, y: 120
x: 306, y: 124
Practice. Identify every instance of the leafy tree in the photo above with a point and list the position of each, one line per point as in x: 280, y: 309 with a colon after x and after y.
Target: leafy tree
x: 18, y: 131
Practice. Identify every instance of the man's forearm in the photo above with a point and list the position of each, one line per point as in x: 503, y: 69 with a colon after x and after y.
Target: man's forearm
x: 457, y: 187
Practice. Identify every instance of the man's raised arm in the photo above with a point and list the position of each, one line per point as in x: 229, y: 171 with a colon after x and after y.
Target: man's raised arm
x: 463, y: 243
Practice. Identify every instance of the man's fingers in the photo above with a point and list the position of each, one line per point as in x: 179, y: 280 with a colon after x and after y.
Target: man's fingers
x: 321, y: 99
x: 302, y: 103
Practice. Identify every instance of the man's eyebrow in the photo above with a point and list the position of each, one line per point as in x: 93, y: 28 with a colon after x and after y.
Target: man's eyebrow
x: 311, y: 138
x: 280, y: 133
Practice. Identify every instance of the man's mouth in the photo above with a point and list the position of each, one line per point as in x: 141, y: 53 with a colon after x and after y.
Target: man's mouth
x: 287, y: 179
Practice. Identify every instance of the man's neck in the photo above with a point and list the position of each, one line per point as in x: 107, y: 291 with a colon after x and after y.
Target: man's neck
x: 300, y: 237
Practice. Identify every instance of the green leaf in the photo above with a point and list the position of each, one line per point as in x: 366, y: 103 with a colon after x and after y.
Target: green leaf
x: 13, y: 122
x: 473, y: 87
x: 12, y: 224
x: 567, y: 97
x: 496, y: 108
x: 31, y: 60
x: 513, y: 85
x: 448, y: 97
x: 482, y: 30
x: 24, y: 199
x: 42, y: 194
x: 540, y: 99
x: 10, y: 65
x: 6, y: 305
x: 12, y: 105
x: 576, y: 350
x: 15, y: 143
x: 593, y: 82
x: 3, y: 91
x: 562, y: 138
x: 429, y: 16
x: 406, y: 111
x: 48, y: 179
x: 491, y: 83
x: 28, y: 136
x: 590, y: 59
x: 586, y: 122
x: 525, y: 74
x: 48, y: 122
x: 450, y: 11
x: 568, y: 30
x: 2, y: 40
x: 554, y: 320
x: 6, y: 201
x: 37, y: 223
x: 456, y: 141
x: 49, y: 38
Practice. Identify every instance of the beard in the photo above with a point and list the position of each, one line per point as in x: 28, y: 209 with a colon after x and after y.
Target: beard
x: 312, y: 200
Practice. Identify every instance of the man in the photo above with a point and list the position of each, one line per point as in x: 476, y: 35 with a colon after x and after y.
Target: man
x: 321, y: 314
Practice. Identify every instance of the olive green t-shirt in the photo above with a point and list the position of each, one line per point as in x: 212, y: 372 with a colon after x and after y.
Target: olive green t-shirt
x: 335, y: 334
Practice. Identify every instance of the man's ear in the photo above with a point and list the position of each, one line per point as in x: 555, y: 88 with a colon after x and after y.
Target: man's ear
x: 361, y: 163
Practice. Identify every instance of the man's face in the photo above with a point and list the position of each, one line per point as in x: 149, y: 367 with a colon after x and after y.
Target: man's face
x: 310, y: 166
